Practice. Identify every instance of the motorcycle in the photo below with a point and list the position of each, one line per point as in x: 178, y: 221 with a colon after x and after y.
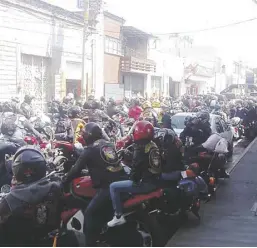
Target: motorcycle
x: 238, y: 128
x: 143, y: 227
x: 211, y: 162
x: 43, y: 124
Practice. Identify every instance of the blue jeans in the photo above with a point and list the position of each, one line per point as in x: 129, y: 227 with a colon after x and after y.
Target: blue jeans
x: 128, y: 186
x: 92, y: 213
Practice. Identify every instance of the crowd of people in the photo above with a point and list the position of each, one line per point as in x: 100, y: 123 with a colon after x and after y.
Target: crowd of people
x: 155, y: 153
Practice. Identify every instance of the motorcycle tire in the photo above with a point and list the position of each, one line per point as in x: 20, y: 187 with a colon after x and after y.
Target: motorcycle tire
x: 154, y: 228
x: 144, y: 228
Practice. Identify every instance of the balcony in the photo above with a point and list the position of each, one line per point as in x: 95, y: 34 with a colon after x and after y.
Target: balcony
x: 134, y: 61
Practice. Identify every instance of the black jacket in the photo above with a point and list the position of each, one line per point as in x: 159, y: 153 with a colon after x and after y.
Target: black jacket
x: 200, y: 133
x: 102, y: 162
x: 146, y: 163
x: 170, y: 148
x: 29, y: 213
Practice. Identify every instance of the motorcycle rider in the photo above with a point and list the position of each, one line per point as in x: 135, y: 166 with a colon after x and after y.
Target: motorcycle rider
x: 146, y: 169
x: 198, y: 128
x: 13, y: 125
x: 98, y: 116
x: 77, y: 123
x: 170, y: 147
x: 69, y: 99
x: 149, y: 113
x: 64, y: 130
x: 135, y: 110
x: 102, y: 162
x: 26, y: 106
x: 165, y: 116
x: 29, y: 211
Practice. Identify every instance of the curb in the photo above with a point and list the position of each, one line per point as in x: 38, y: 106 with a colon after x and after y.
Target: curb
x: 230, y: 170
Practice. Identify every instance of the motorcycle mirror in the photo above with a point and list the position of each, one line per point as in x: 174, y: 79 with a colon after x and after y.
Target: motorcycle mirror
x: 5, y: 189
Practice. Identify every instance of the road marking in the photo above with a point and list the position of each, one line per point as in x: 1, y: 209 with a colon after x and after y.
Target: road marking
x: 236, y: 143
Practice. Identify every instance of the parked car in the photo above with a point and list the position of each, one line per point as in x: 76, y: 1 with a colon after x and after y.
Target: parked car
x: 218, y: 125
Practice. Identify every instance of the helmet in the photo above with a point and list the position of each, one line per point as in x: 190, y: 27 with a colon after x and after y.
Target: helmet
x: 86, y: 105
x: 102, y: 99
x: 70, y: 96
x: 28, y: 98
x: 143, y: 130
x: 29, y: 165
x: 203, y: 116
x: 92, y: 133
x: 63, y: 108
x: 74, y: 112
x: 95, y: 104
x: 147, y: 104
x: 7, y: 107
x: 188, y: 120
x: 91, y: 98
x: 135, y: 101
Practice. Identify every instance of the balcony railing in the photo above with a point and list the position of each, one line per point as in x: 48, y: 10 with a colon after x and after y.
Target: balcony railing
x: 133, y: 64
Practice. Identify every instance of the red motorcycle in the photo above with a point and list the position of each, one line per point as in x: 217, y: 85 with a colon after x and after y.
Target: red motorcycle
x: 143, y: 227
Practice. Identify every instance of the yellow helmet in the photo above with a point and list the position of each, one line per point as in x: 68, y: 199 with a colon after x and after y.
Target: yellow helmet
x: 147, y: 104
x: 156, y: 104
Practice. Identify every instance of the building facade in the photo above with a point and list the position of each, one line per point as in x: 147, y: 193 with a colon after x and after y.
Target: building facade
x: 41, y: 51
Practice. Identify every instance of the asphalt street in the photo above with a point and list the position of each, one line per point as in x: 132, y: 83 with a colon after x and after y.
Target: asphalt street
x: 172, y: 224
x: 229, y: 219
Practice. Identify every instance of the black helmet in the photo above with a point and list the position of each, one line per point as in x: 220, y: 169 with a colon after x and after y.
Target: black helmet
x: 29, y: 165
x: 87, y: 105
x: 203, y: 116
x: 92, y: 133
x: 7, y: 107
x: 91, y: 98
x: 28, y: 98
x: 74, y: 112
x: 96, y: 104
x: 63, y: 109
x: 102, y: 99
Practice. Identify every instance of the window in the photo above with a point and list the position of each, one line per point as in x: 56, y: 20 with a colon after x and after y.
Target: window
x: 113, y: 46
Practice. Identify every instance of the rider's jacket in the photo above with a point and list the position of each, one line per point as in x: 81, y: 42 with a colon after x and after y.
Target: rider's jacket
x: 251, y: 115
x: 170, y: 149
x: 28, y: 212
x: 102, y: 162
x: 146, y: 162
x: 26, y: 110
x: 16, y: 126
x: 97, y: 116
x: 242, y: 113
x: 199, y: 133
x: 64, y: 130
x: 135, y: 112
x: 150, y: 115
x: 77, y: 126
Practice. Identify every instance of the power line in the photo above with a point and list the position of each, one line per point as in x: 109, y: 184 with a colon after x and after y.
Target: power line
x: 212, y: 28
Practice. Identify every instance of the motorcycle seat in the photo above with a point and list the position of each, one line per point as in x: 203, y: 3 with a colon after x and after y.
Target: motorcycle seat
x: 137, y: 199
x: 64, y: 145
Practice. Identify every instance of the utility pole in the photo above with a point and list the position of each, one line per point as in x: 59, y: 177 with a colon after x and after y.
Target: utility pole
x: 84, y: 82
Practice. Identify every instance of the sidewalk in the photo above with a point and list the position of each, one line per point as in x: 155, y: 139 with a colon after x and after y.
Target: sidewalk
x: 227, y: 220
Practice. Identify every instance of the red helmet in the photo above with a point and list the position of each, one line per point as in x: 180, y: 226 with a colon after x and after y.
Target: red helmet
x: 143, y: 130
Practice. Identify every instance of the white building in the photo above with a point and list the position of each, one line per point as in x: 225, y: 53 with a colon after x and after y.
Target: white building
x: 41, y: 51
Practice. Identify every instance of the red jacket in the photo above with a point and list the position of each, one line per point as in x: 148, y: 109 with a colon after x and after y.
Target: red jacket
x: 135, y: 112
